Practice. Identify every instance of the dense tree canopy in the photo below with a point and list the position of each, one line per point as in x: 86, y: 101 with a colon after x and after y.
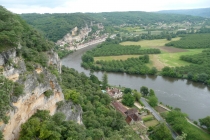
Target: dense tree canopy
x: 161, y: 132
x: 192, y: 41
x: 205, y: 122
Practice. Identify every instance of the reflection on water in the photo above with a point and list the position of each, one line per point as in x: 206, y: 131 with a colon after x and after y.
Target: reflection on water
x: 180, y: 93
x: 198, y: 85
x: 152, y: 77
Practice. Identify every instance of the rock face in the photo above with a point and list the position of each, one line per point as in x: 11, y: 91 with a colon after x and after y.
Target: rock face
x: 35, y: 84
x: 72, y: 112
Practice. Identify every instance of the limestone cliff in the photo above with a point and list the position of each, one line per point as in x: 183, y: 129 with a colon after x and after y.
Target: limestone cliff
x: 35, y: 83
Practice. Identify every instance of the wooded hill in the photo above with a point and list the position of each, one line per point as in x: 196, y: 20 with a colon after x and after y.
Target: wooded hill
x: 203, y: 12
x: 55, y: 26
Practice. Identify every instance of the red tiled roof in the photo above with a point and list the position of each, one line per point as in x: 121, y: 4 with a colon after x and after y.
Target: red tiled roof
x: 119, y: 107
x: 131, y: 111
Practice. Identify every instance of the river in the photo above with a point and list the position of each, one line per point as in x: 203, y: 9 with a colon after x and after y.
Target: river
x: 192, y: 98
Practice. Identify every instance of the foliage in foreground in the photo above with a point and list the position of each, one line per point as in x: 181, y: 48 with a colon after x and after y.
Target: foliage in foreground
x: 161, y: 132
x: 179, y: 123
x: 205, y: 122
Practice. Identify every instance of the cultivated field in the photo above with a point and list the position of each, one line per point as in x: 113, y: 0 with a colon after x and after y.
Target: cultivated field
x: 150, y: 43
x: 169, y: 56
x: 109, y: 58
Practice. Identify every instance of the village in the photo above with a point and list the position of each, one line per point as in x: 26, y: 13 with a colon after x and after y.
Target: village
x: 141, y: 117
x: 80, y: 38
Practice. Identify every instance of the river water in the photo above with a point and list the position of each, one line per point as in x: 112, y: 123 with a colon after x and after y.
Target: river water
x: 192, y: 98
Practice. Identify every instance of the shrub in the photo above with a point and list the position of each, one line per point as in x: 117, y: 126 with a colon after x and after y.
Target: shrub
x: 48, y: 93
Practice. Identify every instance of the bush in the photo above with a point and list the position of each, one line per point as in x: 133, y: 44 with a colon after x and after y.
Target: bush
x: 18, y: 89
x: 149, y: 118
x: 48, y: 93
x: 60, y: 104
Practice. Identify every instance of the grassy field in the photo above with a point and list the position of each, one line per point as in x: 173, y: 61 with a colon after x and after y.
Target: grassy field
x: 109, y: 58
x: 149, y: 43
x: 203, y: 135
x: 172, y: 59
x: 151, y: 123
x: 169, y: 56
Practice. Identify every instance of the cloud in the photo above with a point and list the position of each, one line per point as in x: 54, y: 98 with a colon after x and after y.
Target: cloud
x: 70, y: 6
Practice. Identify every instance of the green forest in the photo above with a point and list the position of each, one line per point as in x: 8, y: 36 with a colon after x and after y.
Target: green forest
x: 55, y: 26
x: 192, y: 41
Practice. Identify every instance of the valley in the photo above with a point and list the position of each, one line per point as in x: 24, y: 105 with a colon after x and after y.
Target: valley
x: 104, y: 76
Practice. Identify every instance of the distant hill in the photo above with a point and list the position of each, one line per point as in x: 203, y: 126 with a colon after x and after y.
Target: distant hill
x: 55, y: 26
x: 203, y: 12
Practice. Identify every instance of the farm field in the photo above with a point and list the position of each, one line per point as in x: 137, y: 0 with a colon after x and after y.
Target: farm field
x: 150, y: 43
x: 110, y: 58
x: 169, y: 56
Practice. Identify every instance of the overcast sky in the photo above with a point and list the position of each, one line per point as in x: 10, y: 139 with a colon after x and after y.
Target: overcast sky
x: 70, y: 6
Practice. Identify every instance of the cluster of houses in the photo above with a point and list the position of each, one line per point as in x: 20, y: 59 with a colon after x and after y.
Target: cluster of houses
x: 132, y: 116
x: 77, y: 36
x: 114, y: 93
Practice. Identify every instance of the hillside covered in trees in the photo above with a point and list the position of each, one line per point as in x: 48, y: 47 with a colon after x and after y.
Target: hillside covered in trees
x: 100, y: 120
x: 55, y: 26
x: 202, y: 12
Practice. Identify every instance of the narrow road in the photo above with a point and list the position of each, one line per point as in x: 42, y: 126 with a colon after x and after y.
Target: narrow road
x: 147, y: 106
x: 157, y: 116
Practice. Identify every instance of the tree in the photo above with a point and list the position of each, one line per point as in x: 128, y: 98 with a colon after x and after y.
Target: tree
x: 182, y: 137
x: 1, y: 136
x: 153, y: 101
x: 168, y: 37
x: 104, y: 81
x: 205, y: 122
x: 144, y: 90
x: 72, y: 95
x: 161, y: 132
x: 127, y: 90
x: 128, y: 100
x: 137, y: 95
x: 151, y: 92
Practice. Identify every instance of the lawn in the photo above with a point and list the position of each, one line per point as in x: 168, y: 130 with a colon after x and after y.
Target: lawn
x: 172, y: 59
x: 151, y: 123
x: 109, y: 58
x: 149, y: 43
x: 203, y: 135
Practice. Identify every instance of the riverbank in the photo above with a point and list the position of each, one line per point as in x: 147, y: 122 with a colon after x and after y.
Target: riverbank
x: 88, y: 44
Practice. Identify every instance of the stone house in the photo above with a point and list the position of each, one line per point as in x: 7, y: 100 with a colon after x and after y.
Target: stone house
x: 132, y: 116
x: 114, y: 92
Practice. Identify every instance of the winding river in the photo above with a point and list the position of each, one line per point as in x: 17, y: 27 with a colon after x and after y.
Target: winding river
x: 192, y: 98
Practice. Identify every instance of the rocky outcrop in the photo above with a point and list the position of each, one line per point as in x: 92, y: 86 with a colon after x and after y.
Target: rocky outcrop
x: 35, y: 85
x: 72, y: 112
x: 54, y: 60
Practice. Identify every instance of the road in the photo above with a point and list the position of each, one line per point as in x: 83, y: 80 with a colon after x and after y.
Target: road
x: 157, y: 116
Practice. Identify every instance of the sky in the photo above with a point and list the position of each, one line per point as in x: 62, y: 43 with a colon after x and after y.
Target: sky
x: 72, y: 6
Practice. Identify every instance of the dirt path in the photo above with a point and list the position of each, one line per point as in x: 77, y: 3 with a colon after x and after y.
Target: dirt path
x: 156, y: 62
x: 138, y: 105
